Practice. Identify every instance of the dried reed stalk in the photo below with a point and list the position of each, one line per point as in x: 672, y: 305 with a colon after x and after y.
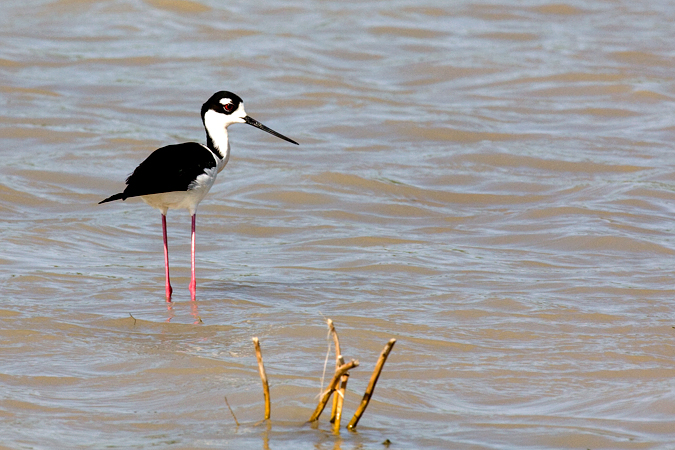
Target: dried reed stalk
x: 336, y: 340
x: 331, y: 387
x: 338, y: 363
x: 339, y: 400
x: 371, y: 385
x: 263, y: 377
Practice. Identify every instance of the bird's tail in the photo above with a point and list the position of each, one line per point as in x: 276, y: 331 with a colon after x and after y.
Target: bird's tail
x: 112, y: 198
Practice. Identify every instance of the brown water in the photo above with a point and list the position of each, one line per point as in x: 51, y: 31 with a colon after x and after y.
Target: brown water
x: 490, y: 183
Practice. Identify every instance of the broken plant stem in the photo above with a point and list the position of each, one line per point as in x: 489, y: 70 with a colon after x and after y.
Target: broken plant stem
x: 371, y: 385
x: 338, y: 362
x: 230, y: 408
x: 336, y: 340
x: 331, y: 387
x: 263, y: 377
x: 339, y: 400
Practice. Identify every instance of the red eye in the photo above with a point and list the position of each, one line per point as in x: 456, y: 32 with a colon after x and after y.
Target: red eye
x: 229, y: 107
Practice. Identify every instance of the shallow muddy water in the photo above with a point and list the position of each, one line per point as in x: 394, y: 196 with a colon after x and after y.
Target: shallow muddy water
x: 492, y: 184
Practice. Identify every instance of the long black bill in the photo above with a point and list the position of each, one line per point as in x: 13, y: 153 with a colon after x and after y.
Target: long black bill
x: 257, y: 124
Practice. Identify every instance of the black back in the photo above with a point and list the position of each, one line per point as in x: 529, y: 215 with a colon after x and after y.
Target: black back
x: 167, y: 169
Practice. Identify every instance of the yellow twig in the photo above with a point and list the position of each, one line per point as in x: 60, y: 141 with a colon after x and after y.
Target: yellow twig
x: 336, y: 340
x: 371, y: 385
x: 338, y: 363
x: 331, y: 387
x: 339, y: 399
x: 263, y: 377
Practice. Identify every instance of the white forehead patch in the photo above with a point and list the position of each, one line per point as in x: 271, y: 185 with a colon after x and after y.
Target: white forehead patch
x: 225, y: 101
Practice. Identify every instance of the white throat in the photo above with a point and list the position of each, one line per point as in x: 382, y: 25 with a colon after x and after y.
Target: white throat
x: 216, y: 128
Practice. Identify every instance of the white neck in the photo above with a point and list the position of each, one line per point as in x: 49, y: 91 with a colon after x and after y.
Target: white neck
x: 216, y: 130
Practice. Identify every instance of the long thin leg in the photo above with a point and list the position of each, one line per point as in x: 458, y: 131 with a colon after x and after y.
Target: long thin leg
x: 193, y: 281
x: 169, y: 290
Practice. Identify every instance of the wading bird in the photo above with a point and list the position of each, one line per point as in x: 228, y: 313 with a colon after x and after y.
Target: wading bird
x: 179, y: 176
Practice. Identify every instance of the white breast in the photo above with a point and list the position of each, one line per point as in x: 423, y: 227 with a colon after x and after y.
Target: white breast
x: 184, y: 199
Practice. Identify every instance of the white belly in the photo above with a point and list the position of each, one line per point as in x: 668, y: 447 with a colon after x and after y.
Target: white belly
x: 183, y: 199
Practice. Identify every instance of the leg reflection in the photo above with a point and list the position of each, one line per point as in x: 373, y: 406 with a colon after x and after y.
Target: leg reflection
x: 194, y: 311
x: 169, y: 309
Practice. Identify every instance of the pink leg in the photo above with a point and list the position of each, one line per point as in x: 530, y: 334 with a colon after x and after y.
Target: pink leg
x: 193, y: 281
x: 169, y: 290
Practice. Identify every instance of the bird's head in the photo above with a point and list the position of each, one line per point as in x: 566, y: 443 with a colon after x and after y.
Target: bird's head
x: 225, y: 108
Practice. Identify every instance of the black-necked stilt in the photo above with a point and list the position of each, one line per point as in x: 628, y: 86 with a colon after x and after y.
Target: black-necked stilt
x: 179, y: 176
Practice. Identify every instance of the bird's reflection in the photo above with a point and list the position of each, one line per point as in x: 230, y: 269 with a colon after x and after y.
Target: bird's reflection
x: 194, y: 312
x: 169, y: 309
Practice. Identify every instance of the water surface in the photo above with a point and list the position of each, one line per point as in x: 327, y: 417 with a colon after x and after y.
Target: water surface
x: 489, y: 183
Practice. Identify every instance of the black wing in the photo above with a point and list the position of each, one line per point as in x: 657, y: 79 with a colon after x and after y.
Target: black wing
x: 167, y: 169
